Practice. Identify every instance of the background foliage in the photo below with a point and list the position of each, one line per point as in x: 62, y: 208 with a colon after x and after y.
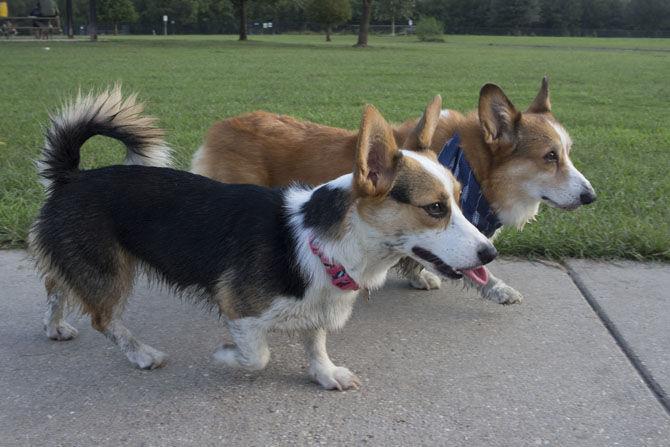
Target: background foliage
x: 649, y: 17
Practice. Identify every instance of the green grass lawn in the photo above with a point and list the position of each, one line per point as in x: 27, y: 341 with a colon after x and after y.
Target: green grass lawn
x: 613, y: 96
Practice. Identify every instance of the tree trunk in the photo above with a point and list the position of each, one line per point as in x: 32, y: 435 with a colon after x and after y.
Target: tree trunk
x: 92, y: 25
x: 243, y: 19
x: 392, y: 26
x: 328, y: 31
x: 69, y: 20
x: 365, y: 24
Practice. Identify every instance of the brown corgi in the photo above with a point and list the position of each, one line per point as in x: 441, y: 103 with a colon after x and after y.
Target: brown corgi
x: 512, y: 160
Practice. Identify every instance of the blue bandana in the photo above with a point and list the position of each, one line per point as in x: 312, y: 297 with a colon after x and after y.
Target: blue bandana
x: 473, y: 203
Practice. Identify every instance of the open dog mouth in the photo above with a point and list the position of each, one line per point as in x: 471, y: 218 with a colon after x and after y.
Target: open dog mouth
x: 570, y: 207
x: 478, y: 275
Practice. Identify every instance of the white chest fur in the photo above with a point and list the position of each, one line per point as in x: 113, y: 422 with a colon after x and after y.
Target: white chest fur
x: 327, y: 308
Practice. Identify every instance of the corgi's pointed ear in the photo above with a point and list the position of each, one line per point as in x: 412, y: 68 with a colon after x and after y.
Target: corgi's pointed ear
x: 541, y: 103
x: 497, y: 116
x: 420, y: 138
x: 377, y: 155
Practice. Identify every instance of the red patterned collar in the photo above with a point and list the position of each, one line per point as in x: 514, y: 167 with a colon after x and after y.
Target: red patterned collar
x: 338, y: 275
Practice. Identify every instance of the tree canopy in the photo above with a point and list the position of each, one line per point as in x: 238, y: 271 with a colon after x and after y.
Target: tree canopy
x: 328, y: 13
x: 643, y: 17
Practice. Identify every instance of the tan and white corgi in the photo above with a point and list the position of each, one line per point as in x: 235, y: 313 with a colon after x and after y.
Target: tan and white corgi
x: 517, y: 159
x: 288, y: 259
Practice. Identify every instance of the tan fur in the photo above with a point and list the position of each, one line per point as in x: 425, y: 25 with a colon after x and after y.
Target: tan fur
x: 275, y: 150
x: 377, y: 156
x: 420, y: 136
x: 225, y: 298
x: 423, y: 188
x: 375, y: 175
x: 270, y: 150
x: 103, y: 302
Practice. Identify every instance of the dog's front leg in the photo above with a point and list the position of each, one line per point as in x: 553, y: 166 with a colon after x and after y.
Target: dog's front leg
x: 321, y: 368
x: 250, y: 351
x: 496, y: 290
x: 418, y: 277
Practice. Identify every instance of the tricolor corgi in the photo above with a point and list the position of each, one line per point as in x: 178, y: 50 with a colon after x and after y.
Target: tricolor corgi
x: 291, y: 259
x: 508, y: 162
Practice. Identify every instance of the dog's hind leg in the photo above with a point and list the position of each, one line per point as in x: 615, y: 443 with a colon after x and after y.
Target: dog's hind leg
x: 321, y: 369
x: 55, y: 325
x: 250, y: 351
x: 496, y: 290
x: 139, y: 354
x: 105, y: 302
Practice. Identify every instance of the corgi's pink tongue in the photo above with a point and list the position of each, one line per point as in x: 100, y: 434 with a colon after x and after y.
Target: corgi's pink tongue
x: 479, y: 275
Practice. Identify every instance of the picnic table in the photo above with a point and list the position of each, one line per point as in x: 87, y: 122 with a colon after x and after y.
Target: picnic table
x: 40, y: 26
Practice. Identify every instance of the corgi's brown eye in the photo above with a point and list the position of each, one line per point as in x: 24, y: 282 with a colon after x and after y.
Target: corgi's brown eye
x: 551, y: 157
x: 437, y: 210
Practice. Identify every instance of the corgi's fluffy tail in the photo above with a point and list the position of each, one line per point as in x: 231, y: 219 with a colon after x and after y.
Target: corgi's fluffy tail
x: 108, y: 114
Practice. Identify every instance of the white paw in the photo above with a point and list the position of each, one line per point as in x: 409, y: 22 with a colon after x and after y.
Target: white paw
x: 503, y: 294
x: 231, y: 356
x: 336, y: 378
x: 61, y: 331
x: 425, y: 280
x: 227, y: 354
x: 147, y: 357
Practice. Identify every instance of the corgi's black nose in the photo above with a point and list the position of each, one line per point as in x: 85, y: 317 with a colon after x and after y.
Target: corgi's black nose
x: 587, y: 197
x: 487, y: 254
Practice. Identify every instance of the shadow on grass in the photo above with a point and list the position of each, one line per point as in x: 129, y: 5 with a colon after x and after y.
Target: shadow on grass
x: 235, y: 44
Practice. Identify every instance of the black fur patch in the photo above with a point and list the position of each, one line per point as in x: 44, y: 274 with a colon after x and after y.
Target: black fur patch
x: 188, y: 228
x: 66, y: 140
x: 400, y: 192
x: 326, y: 209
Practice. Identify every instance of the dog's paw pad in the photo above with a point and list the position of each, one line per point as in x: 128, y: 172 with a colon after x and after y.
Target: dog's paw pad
x: 504, y: 294
x: 425, y: 280
x: 61, y: 331
x: 338, y: 378
x: 146, y: 357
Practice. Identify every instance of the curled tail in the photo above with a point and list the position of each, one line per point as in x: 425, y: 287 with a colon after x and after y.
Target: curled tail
x: 107, y: 114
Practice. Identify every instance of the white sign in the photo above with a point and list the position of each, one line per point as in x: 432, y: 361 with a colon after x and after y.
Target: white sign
x: 410, y: 23
x: 265, y: 25
x: 269, y: 24
x: 164, y: 18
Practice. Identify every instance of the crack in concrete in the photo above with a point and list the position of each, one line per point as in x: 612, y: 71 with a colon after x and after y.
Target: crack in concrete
x: 646, y: 375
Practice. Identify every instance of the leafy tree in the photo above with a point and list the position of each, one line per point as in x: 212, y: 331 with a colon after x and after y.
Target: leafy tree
x: 650, y: 15
x: 364, y: 29
x: 561, y: 15
x: 393, y: 10
x: 459, y: 15
x: 513, y: 14
x: 328, y: 13
x: 215, y: 16
x: 429, y: 29
x: 184, y: 13
x: 115, y: 11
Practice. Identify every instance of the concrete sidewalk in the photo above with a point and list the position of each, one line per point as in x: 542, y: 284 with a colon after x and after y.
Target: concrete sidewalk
x: 438, y: 368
